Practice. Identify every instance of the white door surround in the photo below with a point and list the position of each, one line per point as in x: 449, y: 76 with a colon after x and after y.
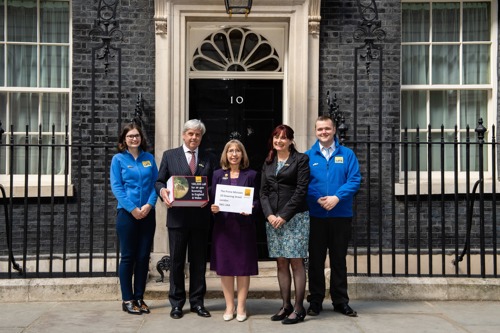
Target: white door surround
x: 178, y: 24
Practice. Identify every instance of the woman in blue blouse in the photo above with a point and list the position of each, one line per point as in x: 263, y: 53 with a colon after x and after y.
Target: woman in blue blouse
x: 133, y: 174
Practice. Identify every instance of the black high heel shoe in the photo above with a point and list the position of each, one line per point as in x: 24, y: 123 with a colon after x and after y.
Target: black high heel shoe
x: 298, y: 318
x: 131, y: 307
x: 282, y: 314
x: 143, y: 306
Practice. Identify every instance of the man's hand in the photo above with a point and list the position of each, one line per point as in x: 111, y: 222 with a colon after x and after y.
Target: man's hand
x: 164, y: 196
x: 328, y: 202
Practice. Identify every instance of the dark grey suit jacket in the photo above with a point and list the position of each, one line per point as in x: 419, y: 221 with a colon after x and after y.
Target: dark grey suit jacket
x: 174, y: 163
x: 284, y: 194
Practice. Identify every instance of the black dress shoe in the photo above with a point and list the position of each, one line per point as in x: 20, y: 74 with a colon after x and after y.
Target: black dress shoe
x: 176, y: 312
x: 131, y: 307
x: 201, y: 311
x: 282, y: 314
x: 345, y: 309
x: 314, y: 309
x: 299, y: 316
x: 143, y: 306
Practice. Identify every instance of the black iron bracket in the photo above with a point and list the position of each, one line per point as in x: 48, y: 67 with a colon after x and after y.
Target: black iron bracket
x: 12, y: 260
x: 336, y: 116
x: 106, y: 30
x: 369, y: 30
x: 163, y: 264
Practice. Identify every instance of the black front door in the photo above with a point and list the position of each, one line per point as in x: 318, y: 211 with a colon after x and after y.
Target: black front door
x: 247, y: 110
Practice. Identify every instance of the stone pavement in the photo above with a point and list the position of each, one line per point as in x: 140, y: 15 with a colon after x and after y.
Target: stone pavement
x: 374, y: 316
x: 384, y: 304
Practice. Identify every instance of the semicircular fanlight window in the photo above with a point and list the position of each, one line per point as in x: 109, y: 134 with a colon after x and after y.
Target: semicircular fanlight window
x: 236, y: 50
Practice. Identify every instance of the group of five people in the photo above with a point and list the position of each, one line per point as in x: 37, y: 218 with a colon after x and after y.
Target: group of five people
x: 306, y: 199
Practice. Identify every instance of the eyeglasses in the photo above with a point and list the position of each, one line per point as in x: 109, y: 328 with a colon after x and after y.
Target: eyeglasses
x: 133, y: 136
x: 233, y: 151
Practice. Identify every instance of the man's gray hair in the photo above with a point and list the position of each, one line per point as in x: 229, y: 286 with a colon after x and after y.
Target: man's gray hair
x: 194, y: 124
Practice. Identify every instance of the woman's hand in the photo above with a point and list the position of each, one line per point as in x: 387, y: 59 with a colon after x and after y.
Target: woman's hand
x: 275, y: 221
x: 140, y: 213
x: 214, y: 209
x: 145, y: 210
x: 136, y: 213
x: 279, y: 222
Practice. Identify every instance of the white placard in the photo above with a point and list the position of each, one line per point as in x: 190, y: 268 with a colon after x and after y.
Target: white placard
x: 234, y: 199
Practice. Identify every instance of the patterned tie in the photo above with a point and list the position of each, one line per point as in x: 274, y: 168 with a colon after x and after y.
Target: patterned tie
x: 192, y: 163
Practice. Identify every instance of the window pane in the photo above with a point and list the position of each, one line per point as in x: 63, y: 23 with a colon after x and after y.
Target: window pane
x: 236, y: 38
x: 439, y: 149
x: 443, y: 109
x: 21, y: 66
x: 445, y: 22
x: 445, y: 69
x: 2, y: 21
x: 473, y: 155
x: 415, y: 22
x: 54, y: 112
x: 473, y: 105
x: 54, y: 26
x: 24, y: 155
x: 476, y: 64
x: 477, y: 21
x: 3, y: 111
x: 413, y: 109
x: 25, y: 12
x: 3, y: 158
x: 2, y: 65
x: 24, y: 111
x: 28, y: 153
x: 412, y: 159
x: 415, y: 64
x: 54, y: 66
x: 48, y: 160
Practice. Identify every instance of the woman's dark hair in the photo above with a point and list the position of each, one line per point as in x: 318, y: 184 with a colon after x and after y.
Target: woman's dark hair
x: 122, y: 145
x: 280, y: 130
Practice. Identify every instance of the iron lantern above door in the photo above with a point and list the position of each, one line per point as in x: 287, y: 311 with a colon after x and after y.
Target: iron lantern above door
x: 238, y: 6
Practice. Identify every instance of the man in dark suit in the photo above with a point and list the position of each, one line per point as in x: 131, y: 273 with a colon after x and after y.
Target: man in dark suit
x: 188, y: 227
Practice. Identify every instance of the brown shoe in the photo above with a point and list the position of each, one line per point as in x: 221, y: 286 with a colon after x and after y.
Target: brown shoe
x: 131, y: 307
x: 143, y: 306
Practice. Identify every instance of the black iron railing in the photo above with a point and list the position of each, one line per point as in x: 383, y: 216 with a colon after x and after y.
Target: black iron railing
x: 408, y: 222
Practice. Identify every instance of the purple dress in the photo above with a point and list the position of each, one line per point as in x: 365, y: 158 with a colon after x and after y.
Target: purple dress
x: 234, y: 238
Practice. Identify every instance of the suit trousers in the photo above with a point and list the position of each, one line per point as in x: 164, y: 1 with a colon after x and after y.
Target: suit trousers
x: 195, y: 241
x: 332, y: 234
x: 136, y: 239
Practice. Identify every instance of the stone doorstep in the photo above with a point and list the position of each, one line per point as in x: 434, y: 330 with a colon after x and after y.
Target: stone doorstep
x: 265, y: 285
x: 366, y: 288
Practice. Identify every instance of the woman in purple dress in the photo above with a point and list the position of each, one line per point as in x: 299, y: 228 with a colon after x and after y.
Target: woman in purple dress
x: 234, y: 239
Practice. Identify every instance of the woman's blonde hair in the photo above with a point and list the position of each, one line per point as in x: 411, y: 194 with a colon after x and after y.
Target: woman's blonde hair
x: 224, y: 162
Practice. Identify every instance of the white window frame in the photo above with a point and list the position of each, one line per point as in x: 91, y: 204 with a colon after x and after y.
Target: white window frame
x: 18, y: 180
x: 492, y: 111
